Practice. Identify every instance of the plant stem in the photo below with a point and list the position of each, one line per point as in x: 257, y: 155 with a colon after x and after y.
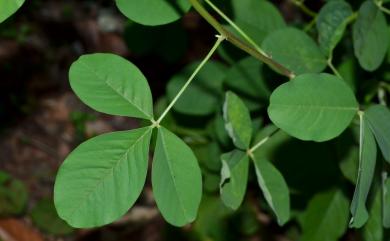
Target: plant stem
x: 236, y: 27
x: 204, y: 61
x: 262, y: 142
x: 302, y: 6
x: 383, y: 9
x: 331, y: 66
x: 238, y: 42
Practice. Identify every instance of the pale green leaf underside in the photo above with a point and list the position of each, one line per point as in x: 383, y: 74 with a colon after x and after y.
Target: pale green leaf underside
x: 314, y: 107
x: 274, y: 188
x: 237, y: 121
x: 176, y: 179
x: 110, y: 84
x: 234, y: 178
x: 378, y: 117
x: 9, y: 7
x: 295, y: 50
x: 153, y: 12
x: 326, y: 217
x: 370, y: 36
x: 102, y: 178
x: 367, y: 160
x: 331, y: 24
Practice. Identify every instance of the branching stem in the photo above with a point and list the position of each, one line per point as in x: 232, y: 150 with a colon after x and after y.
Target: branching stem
x: 238, y: 42
x: 262, y: 142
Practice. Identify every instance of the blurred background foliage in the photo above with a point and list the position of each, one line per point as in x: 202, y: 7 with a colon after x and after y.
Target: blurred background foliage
x: 41, y: 121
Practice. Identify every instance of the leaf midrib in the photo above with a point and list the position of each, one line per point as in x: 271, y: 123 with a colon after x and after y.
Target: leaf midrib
x: 108, y: 172
x: 105, y: 80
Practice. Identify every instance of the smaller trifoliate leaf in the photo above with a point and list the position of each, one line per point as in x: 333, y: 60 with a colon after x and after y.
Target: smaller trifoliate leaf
x: 9, y: 7
x: 314, y: 107
x: 246, y: 77
x: 237, y: 121
x: 295, y: 50
x: 45, y: 217
x: 373, y: 230
x: 102, y: 178
x: 370, y: 36
x: 326, y: 217
x: 367, y: 160
x: 378, y: 117
x: 110, y: 84
x: 234, y: 178
x: 176, y: 179
x: 386, y: 203
x: 153, y: 12
x: 13, y: 195
x: 203, y: 95
x: 331, y: 23
x: 274, y: 188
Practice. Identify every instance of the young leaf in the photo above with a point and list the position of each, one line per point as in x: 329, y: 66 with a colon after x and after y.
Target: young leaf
x: 246, y: 77
x: 331, y: 23
x: 176, y: 179
x: 102, y: 178
x: 234, y: 178
x: 110, y: 84
x: 386, y: 203
x: 373, y: 230
x: 45, y: 217
x: 153, y: 12
x: 204, y: 93
x: 237, y: 121
x: 13, y: 195
x: 294, y: 49
x: 370, y: 36
x: 257, y: 18
x: 326, y: 217
x: 9, y: 7
x: 367, y: 159
x: 378, y: 117
x: 274, y: 188
x: 314, y: 107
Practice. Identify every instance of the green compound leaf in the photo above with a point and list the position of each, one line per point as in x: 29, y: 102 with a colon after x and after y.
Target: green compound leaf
x: 13, y: 195
x: 378, y: 117
x: 331, y: 23
x: 176, y: 179
x: 274, y: 188
x: 257, y: 18
x: 237, y: 121
x: 45, y: 217
x: 246, y: 77
x: 110, y: 84
x: 373, y: 230
x: 314, y: 107
x: 153, y: 12
x: 294, y: 49
x: 386, y: 203
x: 203, y: 95
x: 367, y: 160
x: 9, y: 7
x: 326, y: 217
x: 234, y: 178
x: 102, y: 178
x: 370, y: 36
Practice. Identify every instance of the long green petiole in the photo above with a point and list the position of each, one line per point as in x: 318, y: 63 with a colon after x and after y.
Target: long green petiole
x: 236, y: 27
x: 220, y: 39
x: 261, y: 142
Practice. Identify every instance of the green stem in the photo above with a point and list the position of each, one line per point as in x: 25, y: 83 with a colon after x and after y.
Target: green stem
x: 262, y: 142
x: 236, y: 27
x: 305, y: 9
x: 238, y: 42
x: 204, y: 61
x: 331, y: 66
x: 384, y: 9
